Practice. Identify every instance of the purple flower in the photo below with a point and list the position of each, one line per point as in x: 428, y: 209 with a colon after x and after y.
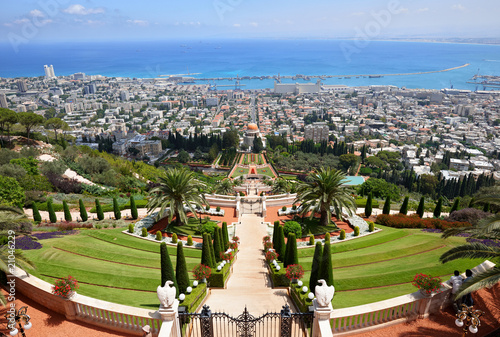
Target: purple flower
x: 27, y: 243
x: 51, y: 235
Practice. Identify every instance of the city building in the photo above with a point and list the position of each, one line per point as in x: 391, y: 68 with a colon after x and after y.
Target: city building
x: 22, y: 86
x: 90, y: 89
x: 49, y: 72
x: 250, y: 134
x: 79, y: 76
x: 317, y: 132
x: 3, y: 101
x: 297, y: 88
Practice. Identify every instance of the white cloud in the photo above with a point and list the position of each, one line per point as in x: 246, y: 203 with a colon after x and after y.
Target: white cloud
x: 94, y: 23
x: 358, y: 13
x: 37, y: 13
x: 236, y: 25
x: 254, y: 24
x: 142, y: 23
x: 21, y: 21
x: 403, y: 10
x: 458, y: 7
x: 80, y: 10
x: 421, y: 10
x: 7, y: 24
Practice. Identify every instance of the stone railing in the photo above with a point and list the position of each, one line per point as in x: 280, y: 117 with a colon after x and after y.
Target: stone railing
x: 359, y: 319
x: 112, y: 316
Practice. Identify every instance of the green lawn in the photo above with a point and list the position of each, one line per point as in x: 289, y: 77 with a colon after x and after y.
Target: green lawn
x: 191, y: 228
x: 239, y: 171
x: 266, y: 171
x: 312, y: 226
x: 109, y: 265
x: 382, y: 265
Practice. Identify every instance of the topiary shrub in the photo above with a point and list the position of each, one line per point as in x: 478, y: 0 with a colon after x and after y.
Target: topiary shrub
x: 311, y: 240
x: 106, y: 226
x: 190, y: 240
x: 98, y: 207
x: 292, y: 227
x: 294, y: 207
x: 342, y: 235
x: 116, y: 209
x: 131, y: 228
x: 98, y: 226
x: 52, y: 214
x: 114, y: 225
x: 356, y: 231
x: 67, y: 213
x: 174, y: 238
x: 208, y: 227
x: 159, y: 236
x: 36, y: 214
x: 207, y: 207
x: 83, y: 211
x: 217, y: 209
x: 144, y: 232
x: 327, y: 237
x: 371, y: 226
x: 133, y: 208
x: 283, y: 208
x: 276, y: 223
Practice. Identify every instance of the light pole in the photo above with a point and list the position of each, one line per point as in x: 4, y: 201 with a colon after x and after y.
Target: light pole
x: 468, y: 319
x: 18, y: 317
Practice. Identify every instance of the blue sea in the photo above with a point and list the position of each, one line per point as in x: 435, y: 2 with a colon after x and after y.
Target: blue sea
x: 229, y: 58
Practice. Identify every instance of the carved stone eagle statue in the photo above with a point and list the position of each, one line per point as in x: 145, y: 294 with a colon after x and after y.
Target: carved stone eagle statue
x: 166, y: 294
x: 324, y: 293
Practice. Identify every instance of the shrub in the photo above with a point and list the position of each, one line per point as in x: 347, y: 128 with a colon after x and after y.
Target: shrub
x: 387, y: 206
x: 208, y: 227
x: 283, y: 208
x: 144, y: 232
x: 371, y: 226
x: 294, y: 207
x: 106, y: 225
x: 404, y: 206
x: 427, y: 283
x: 206, y: 255
x: 174, y: 238
x: 52, y: 214
x: 207, y: 207
x: 276, y: 223
x: 342, y: 235
x: 326, y: 267
x: 217, y: 209
x: 65, y: 286
x: 167, y: 269
x: 470, y: 215
x: 439, y: 206
x: 131, y: 228
x: 36, y: 214
x: 64, y: 185
x: 225, y: 236
x: 420, y: 208
x: 83, y: 211
x: 271, y: 255
x: 279, y: 245
x: 98, y: 226
x: 311, y: 240
x: 356, y: 231
x: 291, y: 256
x: 100, y: 214
x: 292, y: 227
x: 412, y: 221
x: 455, y: 205
x: 190, y: 240
x: 116, y: 209
x: 181, y: 272
x: 159, y: 236
x: 67, y: 213
x: 201, y: 272
x: 218, y: 246
x: 316, y: 262
x: 133, y: 208
x: 11, y: 193
x: 268, y: 245
x: 327, y: 237
x: 294, y: 271
x: 368, y: 207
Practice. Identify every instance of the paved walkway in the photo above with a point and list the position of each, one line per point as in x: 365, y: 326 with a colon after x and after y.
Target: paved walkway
x: 249, y: 285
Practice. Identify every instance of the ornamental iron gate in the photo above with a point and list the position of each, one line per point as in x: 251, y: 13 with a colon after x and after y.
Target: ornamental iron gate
x: 251, y: 206
x: 282, y: 324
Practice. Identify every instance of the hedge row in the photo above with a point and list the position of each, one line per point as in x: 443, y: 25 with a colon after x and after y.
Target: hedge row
x: 109, y: 207
x: 414, y: 221
x: 362, y: 203
x: 278, y: 277
x: 299, y: 298
x: 218, y: 278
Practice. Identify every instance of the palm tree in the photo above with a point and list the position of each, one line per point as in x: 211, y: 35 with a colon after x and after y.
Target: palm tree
x: 325, y: 190
x: 281, y: 186
x: 488, y: 228
x: 177, y: 188
x: 13, y: 218
x: 224, y: 187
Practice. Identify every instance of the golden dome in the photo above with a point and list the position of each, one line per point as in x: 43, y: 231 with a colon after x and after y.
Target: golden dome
x: 252, y: 126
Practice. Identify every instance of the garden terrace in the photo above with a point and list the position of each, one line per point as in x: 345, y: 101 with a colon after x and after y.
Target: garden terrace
x: 108, y: 264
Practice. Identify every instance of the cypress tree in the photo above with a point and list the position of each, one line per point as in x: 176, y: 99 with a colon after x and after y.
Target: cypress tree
x: 368, y: 206
x: 212, y: 252
x: 36, y: 213
x: 291, y: 256
x: 420, y: 208
x: 455, y: 205
x: 67, y: 213
x: 181, y: 272
x: 206, y: 256
x: 133, y: 208
x: 313, y: 279
x: 83, y: 211
x: 100, y: 214
x: 471, y: 202
x: 217, y: 244
x: 275, y: 234
x: 116, y: 209
x: 225, y: 236
x: 439, y: 206
x: 281, y: 244
x: 52, y: 214
x: 486, y: 207
x: 404, y: 206
x: 167, y: 269
x: 387, y: 206
x: 326, y: 267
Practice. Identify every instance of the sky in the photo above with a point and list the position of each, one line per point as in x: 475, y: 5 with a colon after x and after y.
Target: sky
x: 89, y: 20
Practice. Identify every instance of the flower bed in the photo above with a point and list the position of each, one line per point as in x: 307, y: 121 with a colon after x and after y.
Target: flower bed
x: 414, y: 221
x: 52, y: 235
x: 27, y: 243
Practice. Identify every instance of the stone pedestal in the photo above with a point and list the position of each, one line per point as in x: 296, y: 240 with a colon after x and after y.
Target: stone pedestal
x: 321, y: 325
